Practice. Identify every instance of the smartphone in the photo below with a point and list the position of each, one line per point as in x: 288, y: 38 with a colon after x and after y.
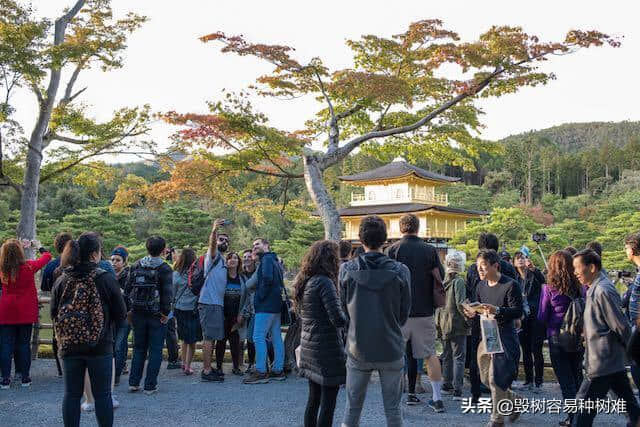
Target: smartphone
x: 227, y: 222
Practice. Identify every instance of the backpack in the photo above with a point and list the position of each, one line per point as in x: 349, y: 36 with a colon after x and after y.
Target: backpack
x: 80, y: 318
x: 570, y: 334
x: 145, y: 289
x: 197, y: 275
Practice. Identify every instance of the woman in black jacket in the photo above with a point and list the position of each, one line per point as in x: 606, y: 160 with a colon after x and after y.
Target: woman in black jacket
x: 322, y: 356
x: 79, y: 261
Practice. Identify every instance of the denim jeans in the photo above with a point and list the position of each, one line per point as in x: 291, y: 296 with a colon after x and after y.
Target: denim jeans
x: 121, y: 346
x: 453, y: 357
x: 15, y: 339
x: 268, y: 323
x: 358, y: 376
x: 100, y: 375
x: 148, y: 338
x: 597, y: 388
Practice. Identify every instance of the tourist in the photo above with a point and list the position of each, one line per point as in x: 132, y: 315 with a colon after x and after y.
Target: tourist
x: 632, y: 250
x: 345, y: 250
x: 376, y: 297
x: 420, y: 330
x: 485, y: 241
x: 571, y: 250
x: 232, y: 297
x: 18, y: 306
x: 606, y: 333
x: 150, y: 293
x: 322, y: 355
x: 47, y: 277
x: 596, y: 247
x: 185, y: 309
x: 119, y: 257
x: 90, y: 348
x: 452, y: 325
x: 531, y: 335
x: 211, y: 297
x: 501, y: 299
x: 561, y: 288
x: 248, y: 318
x: 267, y: 303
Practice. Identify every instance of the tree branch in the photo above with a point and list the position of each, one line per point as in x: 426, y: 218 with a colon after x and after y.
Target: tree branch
x: 334, y: 157
x: 276, y: 174
x: 334, y: 131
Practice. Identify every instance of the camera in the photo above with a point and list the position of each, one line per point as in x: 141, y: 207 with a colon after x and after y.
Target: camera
x: 622, y: 273
x: 539, y: 237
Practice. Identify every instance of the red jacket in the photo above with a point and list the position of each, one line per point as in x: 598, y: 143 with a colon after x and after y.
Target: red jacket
x: 19, y: 299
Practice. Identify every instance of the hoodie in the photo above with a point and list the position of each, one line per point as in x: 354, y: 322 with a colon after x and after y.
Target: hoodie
x: 165, y: 280
x: 268, y: 296
x: 376, y: 297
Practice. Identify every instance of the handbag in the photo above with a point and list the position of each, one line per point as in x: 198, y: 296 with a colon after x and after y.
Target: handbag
x: 286, y: 311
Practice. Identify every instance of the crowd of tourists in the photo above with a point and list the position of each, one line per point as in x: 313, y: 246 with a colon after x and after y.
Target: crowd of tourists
x: 381, y: 307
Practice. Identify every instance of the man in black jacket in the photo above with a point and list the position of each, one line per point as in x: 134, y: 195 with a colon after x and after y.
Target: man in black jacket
x: 150, y: 293
x: 485, y: 241
x: 420, y: 330
x: 376, y: 298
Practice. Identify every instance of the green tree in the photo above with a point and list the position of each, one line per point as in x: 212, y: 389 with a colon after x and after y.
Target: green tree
x: 506, y: 199
x: 183, y: 224
x: 34, y: 56
x: 302, y: 236
x: 469, y: 197
x: 115, y: 228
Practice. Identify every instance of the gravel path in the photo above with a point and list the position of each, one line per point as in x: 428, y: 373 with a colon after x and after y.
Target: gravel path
x: 185, y: 401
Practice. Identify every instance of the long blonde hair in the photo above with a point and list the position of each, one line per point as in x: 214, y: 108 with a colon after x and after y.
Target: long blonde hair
x: 11, y: 258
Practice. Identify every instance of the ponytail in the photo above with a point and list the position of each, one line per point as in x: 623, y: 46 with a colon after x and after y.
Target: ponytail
x: 79, y: 251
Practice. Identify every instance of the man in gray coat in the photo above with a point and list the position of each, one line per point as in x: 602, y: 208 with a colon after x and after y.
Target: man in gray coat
x: 606, y: 333
x: 376, y: 297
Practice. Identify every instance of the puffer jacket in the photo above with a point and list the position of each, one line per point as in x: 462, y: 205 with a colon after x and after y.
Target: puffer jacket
x: 322, y: 355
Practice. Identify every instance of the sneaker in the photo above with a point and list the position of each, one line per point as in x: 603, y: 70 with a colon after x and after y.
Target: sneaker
x: 436, y: 405
x: 87, y: 407
x: 237, y: 371
x: 211, y: 377
x: 125, y: 370
x: 151, y: 391
x: 134, y: 388
x: 219, y: 371
x: 566, y: 422
x: 250, y: 369
x: 256, y: 378
x: 447, y: 388
x: 188, y: 371
x: 412, y: 400
x: 6, y: 384
x: 174, y: 365
x: 277, y: 376
x: 26, y: 382
x: 457, y: 395
x: 527, y: 386
x: 115, y: 402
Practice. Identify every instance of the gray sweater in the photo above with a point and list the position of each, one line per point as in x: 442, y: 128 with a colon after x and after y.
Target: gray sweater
x: 606, y: 329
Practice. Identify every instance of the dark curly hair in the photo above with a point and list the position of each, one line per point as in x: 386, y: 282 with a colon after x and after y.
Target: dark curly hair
x: 321, y: 258
x: 561, y: 276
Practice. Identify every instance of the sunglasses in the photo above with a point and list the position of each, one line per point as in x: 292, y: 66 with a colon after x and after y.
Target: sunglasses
x: 223, y: 239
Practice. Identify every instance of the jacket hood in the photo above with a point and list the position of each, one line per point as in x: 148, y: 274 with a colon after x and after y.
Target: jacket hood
x: 151, y: 261
x: 376, y: 271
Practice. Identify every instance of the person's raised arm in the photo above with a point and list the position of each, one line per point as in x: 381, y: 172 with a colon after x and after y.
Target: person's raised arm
x: 37, y: 264
x: 213, y: 237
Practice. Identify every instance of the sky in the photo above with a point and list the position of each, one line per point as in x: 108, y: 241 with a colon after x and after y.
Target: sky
x: 167, y: 66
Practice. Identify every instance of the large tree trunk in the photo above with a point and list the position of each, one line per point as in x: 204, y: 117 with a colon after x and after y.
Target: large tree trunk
x: 320, y: 196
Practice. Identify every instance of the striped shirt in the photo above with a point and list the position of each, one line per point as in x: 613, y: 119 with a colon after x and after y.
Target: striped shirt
x: 634, y: 300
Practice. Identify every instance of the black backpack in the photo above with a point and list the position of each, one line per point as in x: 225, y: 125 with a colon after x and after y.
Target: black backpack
x: 570, y: 334
x: 145, y: 289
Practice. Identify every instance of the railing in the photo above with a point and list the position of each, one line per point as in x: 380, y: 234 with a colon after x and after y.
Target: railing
x: 361, y: 199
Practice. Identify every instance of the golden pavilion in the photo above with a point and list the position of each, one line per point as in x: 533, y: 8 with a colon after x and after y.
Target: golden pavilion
x: 398, y: 188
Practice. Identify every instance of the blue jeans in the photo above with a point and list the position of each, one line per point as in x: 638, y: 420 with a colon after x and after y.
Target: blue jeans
x: 268, y: 323
x: 121, y: 346
x: 15, y: 339
x: 148, y: 337
x: 100, y: 375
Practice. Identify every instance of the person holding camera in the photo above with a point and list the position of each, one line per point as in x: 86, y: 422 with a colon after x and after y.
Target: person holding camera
x: 18, y: 305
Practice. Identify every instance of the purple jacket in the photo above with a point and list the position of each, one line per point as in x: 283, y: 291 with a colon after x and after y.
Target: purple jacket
x: 552, y: 309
